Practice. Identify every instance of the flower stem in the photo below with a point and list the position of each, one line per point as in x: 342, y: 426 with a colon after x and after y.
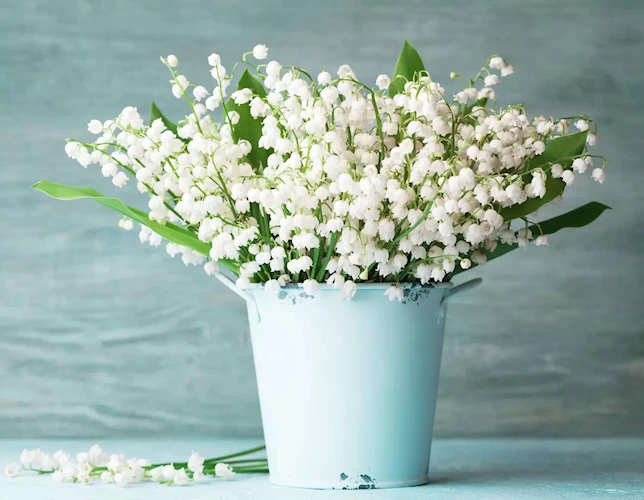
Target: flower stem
x: 213, y: 460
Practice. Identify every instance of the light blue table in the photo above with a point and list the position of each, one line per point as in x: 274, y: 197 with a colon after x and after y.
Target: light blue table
x: 485, y: 469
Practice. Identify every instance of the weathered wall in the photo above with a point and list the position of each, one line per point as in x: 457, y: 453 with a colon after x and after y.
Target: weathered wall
x: 100, y: 335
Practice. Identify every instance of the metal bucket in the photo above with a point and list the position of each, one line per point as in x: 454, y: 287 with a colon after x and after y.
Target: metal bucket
x: 348, y: 388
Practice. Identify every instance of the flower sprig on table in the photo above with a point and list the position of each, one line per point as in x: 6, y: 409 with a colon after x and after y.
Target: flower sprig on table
x: 311, y: 180
x: 95, y: 465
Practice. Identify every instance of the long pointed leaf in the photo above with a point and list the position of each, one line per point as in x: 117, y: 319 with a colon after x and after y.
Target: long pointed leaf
x: 559, y: 150
x: 249, y: 128
x: 409, y: 64
x: 169, y: 231
x: 155, y: 114
x: 578, y: 217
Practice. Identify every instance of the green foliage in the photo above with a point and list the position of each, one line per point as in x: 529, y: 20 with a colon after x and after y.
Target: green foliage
x: 578, y: 217
x: 155, y: 114
x: 409, y: 64
x: 478, y: 103
x: 249, y: 128
x: 169, y: 231
x: 562, y: 150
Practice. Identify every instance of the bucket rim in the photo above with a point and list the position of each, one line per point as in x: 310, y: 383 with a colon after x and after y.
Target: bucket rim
x: 360, y: 286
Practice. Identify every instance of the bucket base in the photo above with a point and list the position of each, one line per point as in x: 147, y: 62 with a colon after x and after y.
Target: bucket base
x: 347, y: 484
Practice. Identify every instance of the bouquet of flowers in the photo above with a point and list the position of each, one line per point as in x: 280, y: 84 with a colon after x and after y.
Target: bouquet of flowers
x: 324, y: 179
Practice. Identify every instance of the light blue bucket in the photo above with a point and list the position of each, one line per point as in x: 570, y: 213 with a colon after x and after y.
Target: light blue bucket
x: 348, y: 388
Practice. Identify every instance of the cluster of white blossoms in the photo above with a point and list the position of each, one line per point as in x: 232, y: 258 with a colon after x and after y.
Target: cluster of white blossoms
x: 312, y: 180
x: 95, y: 465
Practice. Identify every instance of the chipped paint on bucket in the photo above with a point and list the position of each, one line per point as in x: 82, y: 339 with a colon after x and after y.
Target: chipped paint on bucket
x: 348, y: 388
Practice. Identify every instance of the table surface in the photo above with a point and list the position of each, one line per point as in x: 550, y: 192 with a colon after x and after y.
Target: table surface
x: 483, y: 469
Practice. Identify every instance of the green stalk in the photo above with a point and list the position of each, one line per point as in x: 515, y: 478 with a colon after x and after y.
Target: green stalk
x: 411, y: 228
x: 248, y: 460
x: 249, y: 470
x: 327, y: 258
x: 211, y: 460
x: 316, y: 256
x: 238, y: 454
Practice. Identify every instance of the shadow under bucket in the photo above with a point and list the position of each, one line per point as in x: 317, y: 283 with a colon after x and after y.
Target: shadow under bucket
x: 348, y: 388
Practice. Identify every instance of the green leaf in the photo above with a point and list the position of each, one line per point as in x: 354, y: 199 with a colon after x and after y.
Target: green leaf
x: 409, y: 64
x: 560, y: 150
x: 155, y: 114
x: 249, y: 128
x: 329, y: 252
x: 478, y: 103
x: 169, y: 231
x: 579, y: 217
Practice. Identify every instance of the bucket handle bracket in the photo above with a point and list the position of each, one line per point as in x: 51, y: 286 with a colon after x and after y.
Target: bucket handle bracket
x: 247, y: 297
x: 459, y: 289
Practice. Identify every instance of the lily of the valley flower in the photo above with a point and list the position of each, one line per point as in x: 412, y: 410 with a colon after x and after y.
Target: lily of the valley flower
x: 95, y: 465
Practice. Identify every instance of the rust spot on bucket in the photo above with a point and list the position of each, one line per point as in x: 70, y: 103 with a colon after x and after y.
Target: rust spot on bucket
x: 294, y: 296
x: 368, y: 484
x: 360, y: 482
x: 415, y: 295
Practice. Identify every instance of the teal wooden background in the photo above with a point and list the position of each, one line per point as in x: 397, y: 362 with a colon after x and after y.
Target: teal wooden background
x: 100, y: 335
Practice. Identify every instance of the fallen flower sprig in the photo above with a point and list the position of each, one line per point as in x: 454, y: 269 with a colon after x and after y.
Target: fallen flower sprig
x: 96, y: 464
